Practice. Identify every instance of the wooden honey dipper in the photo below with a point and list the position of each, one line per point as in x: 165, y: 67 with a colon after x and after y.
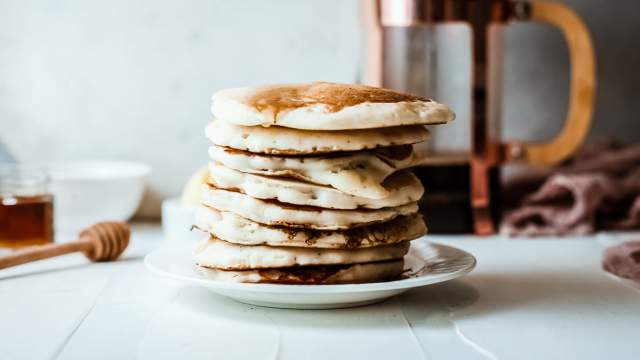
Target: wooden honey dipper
x: 104, y: 241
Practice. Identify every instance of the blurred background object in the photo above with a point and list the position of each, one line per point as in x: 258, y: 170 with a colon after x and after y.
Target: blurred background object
x: 131, y: 80
x: 92, y: 191
x: 43, y: 201
x: 178, y: 212
x: 453, y: 51
x: 597, y: 189
x: 26, y: 206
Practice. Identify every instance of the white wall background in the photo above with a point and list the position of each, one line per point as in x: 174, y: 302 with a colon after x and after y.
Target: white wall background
x: 131, y: 80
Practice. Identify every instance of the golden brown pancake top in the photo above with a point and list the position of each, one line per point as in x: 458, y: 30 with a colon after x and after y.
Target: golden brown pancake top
x: 335, y: 96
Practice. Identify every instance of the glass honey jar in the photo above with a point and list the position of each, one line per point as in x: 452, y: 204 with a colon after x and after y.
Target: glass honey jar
x: 26, y: 206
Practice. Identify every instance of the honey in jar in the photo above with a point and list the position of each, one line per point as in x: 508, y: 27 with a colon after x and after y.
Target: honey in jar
x: 26, y: 207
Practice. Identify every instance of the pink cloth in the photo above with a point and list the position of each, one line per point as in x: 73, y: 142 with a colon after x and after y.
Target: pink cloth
x: 623, y: 260
x: 598, y: 189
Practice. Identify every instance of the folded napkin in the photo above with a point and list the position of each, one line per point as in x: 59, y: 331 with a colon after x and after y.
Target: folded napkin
x: 623, y: 260
x: 599, y: 189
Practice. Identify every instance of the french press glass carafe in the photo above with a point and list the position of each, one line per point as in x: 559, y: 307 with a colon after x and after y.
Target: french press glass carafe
x: 451, y: 50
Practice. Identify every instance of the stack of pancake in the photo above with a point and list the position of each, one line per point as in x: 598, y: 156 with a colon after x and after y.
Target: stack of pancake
x: 309, y: 183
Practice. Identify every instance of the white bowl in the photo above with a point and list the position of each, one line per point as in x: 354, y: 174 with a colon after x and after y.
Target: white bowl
x: 89, y: 192
x: 177, y: 220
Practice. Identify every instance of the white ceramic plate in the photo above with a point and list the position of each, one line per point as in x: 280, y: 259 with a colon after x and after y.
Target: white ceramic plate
x: 428, y: 264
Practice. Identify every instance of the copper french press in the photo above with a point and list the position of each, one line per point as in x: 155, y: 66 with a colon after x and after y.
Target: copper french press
x: 451, y: 50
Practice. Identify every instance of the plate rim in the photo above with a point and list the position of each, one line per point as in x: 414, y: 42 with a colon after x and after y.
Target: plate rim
x: 406, y: 283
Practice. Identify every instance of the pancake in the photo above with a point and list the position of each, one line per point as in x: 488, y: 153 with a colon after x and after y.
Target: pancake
x: 403, y: 188
x: 238, y: 230
x: 325, y: 106
x: 356, y: 173
x: 276, y: 213
x: 312, y: 275
x: 285, y: 141
x: 219, y: 254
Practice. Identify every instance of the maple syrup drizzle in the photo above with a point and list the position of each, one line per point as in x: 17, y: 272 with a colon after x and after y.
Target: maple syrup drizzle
x: 334, y: 96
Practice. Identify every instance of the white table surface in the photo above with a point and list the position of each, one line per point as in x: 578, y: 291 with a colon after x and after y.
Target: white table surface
x: 527, y: 299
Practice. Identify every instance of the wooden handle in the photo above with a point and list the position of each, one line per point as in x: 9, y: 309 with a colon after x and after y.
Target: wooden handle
x: 41, y: 252
x: 583, y: 87
x: 104, y: 241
